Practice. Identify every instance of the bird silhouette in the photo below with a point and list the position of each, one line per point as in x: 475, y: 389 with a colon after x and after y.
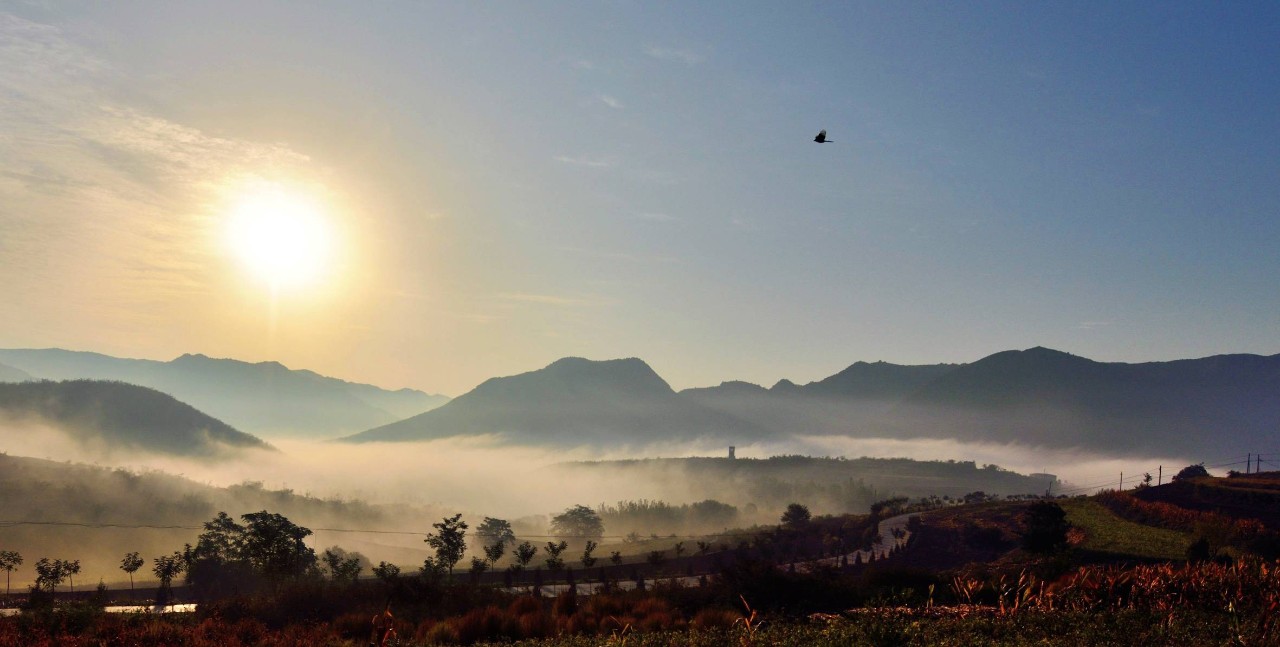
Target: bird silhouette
x: 822, y: 137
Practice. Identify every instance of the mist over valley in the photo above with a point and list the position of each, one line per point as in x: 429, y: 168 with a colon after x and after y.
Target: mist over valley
x: 128, y: 462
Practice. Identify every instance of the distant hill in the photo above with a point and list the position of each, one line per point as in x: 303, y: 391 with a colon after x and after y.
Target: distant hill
x: 102, y: 509
x: 1037, y: 397
x: 11, y: 374
x: 121, y: 416
x: 846, y: 402
x: 573, y: 401
x: 828, y: 485
x: 1040, y: 396
x: 263, y: 398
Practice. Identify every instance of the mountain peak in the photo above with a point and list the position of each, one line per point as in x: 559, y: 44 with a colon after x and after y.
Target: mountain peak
x: 576, y: 374
x: 1035, y: 356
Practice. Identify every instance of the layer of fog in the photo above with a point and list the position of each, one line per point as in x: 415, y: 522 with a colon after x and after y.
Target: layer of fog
x: 478, y: 476
x: 484, y: 475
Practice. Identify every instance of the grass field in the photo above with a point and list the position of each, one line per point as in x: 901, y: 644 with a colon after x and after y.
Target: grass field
x: 1108, y: 534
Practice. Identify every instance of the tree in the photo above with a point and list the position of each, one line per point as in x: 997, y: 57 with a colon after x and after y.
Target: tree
x: 524, y: 553
x: 478, y: 567
x: 343, y: 566
x: 796, y: 516
x: 72, y: 568
x: 495, y: 551
x: 1046, y: 530
x: 130, y: 564
x: 499, y: 530
x: 450, y: 542
x: 679, y: 549
x: 229, y: 557
x: 554, y: 549
x: 578, y: 521
x: 615, y: 557
x: 704, y: 547
x: 274, y: 546
x: 657, y: 557
x: 587, y: 559
x: 10, y: 560
x: 220, y: 541
x: 50, y: 573
x: 166, y: 568
x: 1191, y: 472
x: 386, y: 572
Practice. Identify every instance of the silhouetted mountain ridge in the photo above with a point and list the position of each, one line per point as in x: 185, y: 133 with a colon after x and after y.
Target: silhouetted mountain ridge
x: 263, y: 397
x: 572, y: 401
x: 1041, y: 396
x: 1034, y: 397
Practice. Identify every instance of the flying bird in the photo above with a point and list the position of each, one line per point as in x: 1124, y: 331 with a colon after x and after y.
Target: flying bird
x: 822, y: 137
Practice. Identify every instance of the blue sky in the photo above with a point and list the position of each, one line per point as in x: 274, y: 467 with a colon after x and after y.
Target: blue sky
x: 516, y: 182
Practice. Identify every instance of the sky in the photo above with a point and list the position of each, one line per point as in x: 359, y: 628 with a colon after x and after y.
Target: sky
x: 491, y: 186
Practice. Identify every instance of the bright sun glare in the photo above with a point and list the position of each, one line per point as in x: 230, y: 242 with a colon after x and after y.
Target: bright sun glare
x: 282, y: 237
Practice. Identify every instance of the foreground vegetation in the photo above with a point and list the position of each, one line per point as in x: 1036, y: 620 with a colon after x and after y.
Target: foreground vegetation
x: 1198, y: 603
x: 1117, y: 568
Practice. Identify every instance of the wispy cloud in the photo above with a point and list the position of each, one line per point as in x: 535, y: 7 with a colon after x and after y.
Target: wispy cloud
x: 91, y: 183
x: 1093, y: 325
x: 610, y: 101
x: 668, y: 54
x: 583, y: 160
x: 583, y: 64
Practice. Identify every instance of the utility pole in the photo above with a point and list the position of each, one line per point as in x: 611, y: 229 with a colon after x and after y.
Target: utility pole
x: 1160, y: 479
x: 1248, y: 460
x: 1121, y: 481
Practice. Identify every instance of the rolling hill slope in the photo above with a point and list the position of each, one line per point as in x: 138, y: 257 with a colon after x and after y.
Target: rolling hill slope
x: 121, y: 416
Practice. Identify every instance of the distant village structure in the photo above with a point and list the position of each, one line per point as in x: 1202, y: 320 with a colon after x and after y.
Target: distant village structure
x: 731, y: 456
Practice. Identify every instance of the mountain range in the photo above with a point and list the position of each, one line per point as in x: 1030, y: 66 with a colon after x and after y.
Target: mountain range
x: 260, y: 398
x: 1037, y: 397
x: 573, y: 401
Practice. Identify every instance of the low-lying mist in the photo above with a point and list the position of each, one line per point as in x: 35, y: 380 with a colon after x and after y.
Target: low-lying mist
x: 485, y: 475
x: 331, y: 487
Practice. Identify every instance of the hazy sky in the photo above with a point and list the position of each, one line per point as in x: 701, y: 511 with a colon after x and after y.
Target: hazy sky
x: 505, y: 183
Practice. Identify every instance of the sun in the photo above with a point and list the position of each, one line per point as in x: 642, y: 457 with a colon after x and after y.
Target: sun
x: 282, y: 237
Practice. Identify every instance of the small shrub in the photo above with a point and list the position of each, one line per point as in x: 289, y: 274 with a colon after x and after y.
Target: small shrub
x: 442, y: 633
x: 712, y: 618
